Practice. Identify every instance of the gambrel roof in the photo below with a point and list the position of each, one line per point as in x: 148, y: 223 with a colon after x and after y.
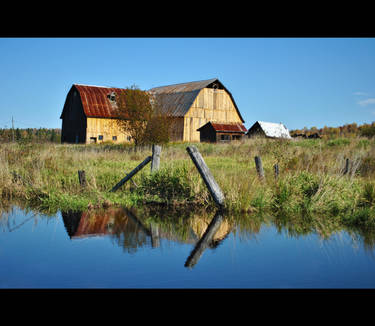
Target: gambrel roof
x: 95, y: 100
x: 177, y: 99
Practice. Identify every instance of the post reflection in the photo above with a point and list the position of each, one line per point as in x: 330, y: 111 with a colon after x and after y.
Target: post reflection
x: 206, y: 240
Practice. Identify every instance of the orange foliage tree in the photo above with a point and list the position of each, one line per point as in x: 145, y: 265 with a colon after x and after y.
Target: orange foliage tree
x: 141, y: 116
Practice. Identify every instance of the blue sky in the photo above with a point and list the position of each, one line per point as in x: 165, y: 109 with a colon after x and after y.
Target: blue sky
x: 297, y: 81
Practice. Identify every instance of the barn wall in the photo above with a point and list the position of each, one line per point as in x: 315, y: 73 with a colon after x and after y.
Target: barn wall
x: 105, y: 127
x: 73, y: 128
x: 209, y: 105
x: 177, y: 129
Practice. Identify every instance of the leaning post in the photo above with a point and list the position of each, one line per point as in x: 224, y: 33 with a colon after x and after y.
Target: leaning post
x: 131, y: 174
x: 206, y: 175
x: 155, y: 163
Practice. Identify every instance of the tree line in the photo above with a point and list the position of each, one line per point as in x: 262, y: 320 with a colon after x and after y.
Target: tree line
x: 350, y: 130
x: 36, y: 135
x: 153, y: 134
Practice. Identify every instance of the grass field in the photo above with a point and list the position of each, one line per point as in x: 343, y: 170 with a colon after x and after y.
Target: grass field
x: 310, y: 182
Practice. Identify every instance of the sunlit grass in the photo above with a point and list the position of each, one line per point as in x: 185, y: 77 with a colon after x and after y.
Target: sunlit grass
x: 310, y: 180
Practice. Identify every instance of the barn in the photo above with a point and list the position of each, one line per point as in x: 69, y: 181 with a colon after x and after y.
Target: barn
x: 89, y: 111
x: 268, y: 130
x: 88, y: 115
x: 221, y: 132
x: 194, y: 104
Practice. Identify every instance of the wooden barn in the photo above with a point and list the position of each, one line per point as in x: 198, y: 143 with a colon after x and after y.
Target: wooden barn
x: 219, y: 132
x: 89, y: 111
x: 88, y: 115
x: 268, y: 130
x: 193, y: 104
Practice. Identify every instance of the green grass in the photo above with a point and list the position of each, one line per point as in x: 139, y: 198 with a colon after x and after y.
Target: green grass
x: 310, y: 181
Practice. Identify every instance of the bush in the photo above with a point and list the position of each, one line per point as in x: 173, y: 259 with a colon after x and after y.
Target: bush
x: 166, y: 185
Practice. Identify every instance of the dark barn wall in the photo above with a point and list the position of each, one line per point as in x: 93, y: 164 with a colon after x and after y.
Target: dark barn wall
x: 74, y: 122
x: 255, y: 130
x: 208, y: 134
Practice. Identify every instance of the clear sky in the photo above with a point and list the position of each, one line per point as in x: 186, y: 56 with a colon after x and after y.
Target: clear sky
x: 297, y: 81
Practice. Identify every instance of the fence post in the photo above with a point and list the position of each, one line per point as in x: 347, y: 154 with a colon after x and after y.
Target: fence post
x: 206, y: 175
x: 276, y: 169
x: 131, y: 174
x: 155, y: 163
x: 82, y: 178
x: 259, y: 166
x: 346, y: 169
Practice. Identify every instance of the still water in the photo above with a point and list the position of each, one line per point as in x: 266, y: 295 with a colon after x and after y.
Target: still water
x: 117, y: 248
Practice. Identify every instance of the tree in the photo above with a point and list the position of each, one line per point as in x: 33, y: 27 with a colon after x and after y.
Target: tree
x: 141, y: 116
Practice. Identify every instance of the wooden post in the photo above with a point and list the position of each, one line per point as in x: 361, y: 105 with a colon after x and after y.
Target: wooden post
x: 206, y: 175
x: 346, y: 169
x: 276, y: 169
x: 259, y: 166
x: 82, y: 178
x: 205, y: 240
x: 155, y: 163
x: 132, y: 173
x: 133, y: 182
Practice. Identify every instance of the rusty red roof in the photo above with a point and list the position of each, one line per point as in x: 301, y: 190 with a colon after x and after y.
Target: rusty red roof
x: 226, y: 127
x: 95, y: 100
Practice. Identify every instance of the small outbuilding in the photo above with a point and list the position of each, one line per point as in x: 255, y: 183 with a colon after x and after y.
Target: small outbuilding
x: 269, y: 130
x: 221, y: 132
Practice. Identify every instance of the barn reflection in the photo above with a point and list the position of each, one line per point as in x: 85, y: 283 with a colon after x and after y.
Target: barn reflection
x: 131, y: 232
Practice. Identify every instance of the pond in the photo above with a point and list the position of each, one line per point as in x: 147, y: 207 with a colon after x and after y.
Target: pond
x: 119, y: 248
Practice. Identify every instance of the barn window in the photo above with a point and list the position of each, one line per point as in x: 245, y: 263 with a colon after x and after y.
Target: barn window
x: 100, y: 137
x: 114, y: 138
x: 112, y: 97
x: 224, y: 137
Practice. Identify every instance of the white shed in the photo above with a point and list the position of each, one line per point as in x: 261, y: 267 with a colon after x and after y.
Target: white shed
x: 269, y: 129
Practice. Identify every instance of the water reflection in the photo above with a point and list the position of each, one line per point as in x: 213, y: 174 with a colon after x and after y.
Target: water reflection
x: 203, y: 230
x: 132, y: 232
x: 121, y: 225
x: 207, y: 239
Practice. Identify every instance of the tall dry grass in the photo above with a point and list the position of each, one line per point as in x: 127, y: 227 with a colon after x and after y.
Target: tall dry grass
x: 310, y: 179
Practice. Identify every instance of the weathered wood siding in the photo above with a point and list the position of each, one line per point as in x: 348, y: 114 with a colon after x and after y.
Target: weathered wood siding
x: 177, y: 129
x: 209, y: 105
x: 106, y: 128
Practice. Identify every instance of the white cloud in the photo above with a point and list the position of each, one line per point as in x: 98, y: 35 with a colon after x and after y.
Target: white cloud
x: 366, y: 102
x: 360, y: 94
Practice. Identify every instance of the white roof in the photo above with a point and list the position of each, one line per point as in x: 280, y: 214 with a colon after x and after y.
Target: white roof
x: 277, y: 130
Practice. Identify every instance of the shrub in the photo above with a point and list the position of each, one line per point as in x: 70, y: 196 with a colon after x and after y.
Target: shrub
x: 166, y: 184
